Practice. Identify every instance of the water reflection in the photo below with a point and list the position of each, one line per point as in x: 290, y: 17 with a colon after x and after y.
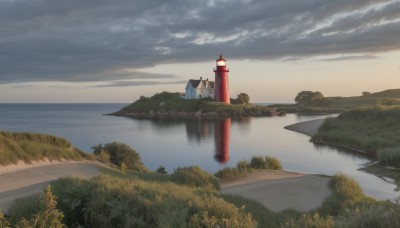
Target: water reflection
x: 222, y: 130
x: 203, y: 130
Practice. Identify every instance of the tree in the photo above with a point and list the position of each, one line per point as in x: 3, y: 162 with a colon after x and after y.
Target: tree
x: 243, y: 98
x: 308, y: 96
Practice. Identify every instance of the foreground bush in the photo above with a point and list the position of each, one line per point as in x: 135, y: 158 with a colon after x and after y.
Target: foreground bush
x: 347, y: 195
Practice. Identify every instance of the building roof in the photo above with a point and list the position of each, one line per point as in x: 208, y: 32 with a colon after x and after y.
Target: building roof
x: 196, y: 83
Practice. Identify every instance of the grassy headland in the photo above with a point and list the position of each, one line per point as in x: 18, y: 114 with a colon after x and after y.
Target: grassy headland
x: 29, y: 147
x: 375, y: 131
x: 172, y: 105
x: 387, y: 98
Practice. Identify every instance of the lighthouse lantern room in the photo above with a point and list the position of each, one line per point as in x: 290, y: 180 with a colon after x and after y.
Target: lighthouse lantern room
x: 221, y: 88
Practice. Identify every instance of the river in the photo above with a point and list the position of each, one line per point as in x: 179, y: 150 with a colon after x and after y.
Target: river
x: 211, y: 145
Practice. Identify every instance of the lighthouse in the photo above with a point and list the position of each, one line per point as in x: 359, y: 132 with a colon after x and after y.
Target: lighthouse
x: 221, y: 87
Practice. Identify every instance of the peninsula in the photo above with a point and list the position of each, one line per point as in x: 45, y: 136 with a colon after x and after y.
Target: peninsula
x: 173, y: 105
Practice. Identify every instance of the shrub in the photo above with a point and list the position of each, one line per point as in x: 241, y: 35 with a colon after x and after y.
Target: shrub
x: 347, y: 195
x: 273, y: 163
x: 161, y: 170
x: 195, y: 177
x: 269, y: 163
x: 48, y: 216
x: 258, y: 163
x: 120, y: 152
x: 243, y: 165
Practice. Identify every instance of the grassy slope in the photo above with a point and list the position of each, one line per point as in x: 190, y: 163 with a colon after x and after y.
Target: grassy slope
x: 366, y: 129
x: 29, y: 147
x: 167, y: 102
x: 387, y: 98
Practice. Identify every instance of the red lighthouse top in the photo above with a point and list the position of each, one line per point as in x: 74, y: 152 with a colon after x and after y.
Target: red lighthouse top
x: 221, y: 61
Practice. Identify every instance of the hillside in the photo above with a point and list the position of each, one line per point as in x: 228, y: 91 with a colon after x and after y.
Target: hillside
x: 387, y: 98
x: 171, y: 105
x: 29, y: 147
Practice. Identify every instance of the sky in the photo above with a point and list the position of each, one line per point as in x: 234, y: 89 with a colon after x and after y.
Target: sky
x: 115, y: 51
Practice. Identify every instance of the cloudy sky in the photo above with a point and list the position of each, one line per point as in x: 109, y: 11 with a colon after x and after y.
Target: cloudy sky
x: 115, y: 51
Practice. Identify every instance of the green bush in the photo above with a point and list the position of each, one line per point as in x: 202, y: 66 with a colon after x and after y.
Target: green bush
x: 195, y: 177
x: 123, y: 153
x: 267, y: 163
x: 258, y: 162
x: 389, y: 156
x: 347, y: 195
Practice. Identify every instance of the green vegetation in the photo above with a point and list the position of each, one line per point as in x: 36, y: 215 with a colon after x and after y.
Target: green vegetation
x: 30, y: 147
x: 106, y: 201
x: 119, y: 154
x: 167, y: 104
x: 389, y: 156
x: 375, y: 131
x: 193, y: 176
x: 320, y: 104
x: 257, y: 163
x: 308, y: 96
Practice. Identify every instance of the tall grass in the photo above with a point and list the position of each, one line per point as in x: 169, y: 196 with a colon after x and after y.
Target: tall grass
x: 29, y: 147
x: 364, y: 129
x: 389, y: 156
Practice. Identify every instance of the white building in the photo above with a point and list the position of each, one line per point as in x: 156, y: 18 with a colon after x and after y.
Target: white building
x: 196, y: 89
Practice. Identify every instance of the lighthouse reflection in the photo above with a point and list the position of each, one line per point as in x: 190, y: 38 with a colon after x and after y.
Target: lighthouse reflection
x: 222, y: 130
x: 203, y: 130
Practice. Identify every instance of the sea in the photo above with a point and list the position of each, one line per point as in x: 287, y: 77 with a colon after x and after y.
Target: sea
x: 211, y: 145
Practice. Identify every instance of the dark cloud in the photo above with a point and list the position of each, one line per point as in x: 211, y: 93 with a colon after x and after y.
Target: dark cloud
x: 47, y: 40
x: 352, y: 57
x: 139, y: 83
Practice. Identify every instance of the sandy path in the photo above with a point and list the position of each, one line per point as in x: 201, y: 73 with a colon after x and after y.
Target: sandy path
x: 280, y: 190
x: 32, y: 180
x: 307, y: 127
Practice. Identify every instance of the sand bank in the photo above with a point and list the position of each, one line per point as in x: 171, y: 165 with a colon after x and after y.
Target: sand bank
x: 279, y: 190
x: 307, y: 127
x: 26, y: 179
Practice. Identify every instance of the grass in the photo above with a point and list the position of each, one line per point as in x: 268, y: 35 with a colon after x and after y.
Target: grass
x: 387, y: 98
x: 28, y: 147
x: 375, y: 131
x: 256, y: 163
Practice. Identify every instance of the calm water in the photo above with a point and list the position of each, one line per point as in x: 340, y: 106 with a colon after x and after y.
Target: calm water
x: 211, y: 145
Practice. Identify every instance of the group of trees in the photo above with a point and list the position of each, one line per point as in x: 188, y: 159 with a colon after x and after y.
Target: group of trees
x: 308, y: 96
x: 242, y: 98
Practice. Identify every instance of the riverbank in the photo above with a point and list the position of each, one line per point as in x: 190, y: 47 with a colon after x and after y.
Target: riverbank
x: 280, y: 190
